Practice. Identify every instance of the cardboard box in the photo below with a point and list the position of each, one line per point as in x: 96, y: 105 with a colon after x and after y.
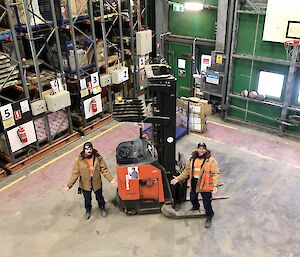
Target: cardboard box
x: 76, y: 6
x: 198, y: 106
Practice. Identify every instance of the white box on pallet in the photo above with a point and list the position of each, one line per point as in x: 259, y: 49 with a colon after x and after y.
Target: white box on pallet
x: 38, y: 107
x: 58, y: 100
x: 120, y: 75
x: 105, y: 80
x: 144, y: 42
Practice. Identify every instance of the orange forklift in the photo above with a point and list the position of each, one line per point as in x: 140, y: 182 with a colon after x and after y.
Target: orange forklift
x: 145, y: 168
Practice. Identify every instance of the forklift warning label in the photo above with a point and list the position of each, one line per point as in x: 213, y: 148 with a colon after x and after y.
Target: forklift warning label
x: 133, y: 172
x: 127, y: 182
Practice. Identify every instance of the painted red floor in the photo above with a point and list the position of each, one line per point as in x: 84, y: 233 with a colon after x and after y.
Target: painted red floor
x: 255, y: 142
x: 56, y: 174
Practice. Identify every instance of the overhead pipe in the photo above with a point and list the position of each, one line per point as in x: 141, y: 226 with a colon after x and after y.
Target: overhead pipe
x: 194, y: 54
x: 162, y: 42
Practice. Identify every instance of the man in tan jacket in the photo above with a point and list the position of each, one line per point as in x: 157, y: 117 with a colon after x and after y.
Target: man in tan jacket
x: 87, y: 167
x: 203, y: 175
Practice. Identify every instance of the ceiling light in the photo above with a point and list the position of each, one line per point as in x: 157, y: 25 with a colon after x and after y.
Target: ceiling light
x: 190, y: 6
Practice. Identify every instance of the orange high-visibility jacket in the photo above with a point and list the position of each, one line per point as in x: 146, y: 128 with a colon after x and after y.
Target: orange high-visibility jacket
x: 209, y: 174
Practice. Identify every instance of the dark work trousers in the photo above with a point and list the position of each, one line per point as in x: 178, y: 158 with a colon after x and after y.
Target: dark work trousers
x: 88, y: 199
x: 206, y: 196
x: 194, y: 195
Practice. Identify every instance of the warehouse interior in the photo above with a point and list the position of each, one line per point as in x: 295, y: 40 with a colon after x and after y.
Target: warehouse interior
x: 158, y: 78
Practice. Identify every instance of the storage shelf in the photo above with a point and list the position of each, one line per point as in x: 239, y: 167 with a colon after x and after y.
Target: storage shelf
x: 256, y: 101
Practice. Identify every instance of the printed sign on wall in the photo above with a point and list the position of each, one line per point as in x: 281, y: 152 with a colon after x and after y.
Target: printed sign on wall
x: 82, y: 84
x: 56, y: 85
x: 92, y: 106
x: 6, y: 111
x: 95, y: 79
x: 21, y: 136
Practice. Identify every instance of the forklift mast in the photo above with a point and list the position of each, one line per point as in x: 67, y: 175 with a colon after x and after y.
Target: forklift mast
x: 161, y: 92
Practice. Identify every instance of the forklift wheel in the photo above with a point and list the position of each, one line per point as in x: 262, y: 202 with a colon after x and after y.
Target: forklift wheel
x: 130, y: 212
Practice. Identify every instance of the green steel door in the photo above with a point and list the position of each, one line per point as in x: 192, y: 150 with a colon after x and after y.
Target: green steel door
x: 184, y: 76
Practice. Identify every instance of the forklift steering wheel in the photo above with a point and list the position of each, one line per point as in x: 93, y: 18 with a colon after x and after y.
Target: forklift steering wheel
x: 124, y: 152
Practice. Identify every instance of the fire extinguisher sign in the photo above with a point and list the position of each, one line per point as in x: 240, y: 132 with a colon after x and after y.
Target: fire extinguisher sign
x: 21, y: 136
x: 17, y: 114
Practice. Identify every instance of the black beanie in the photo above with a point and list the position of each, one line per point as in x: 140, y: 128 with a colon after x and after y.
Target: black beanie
x: 87, y: 145
x: 202, y: 144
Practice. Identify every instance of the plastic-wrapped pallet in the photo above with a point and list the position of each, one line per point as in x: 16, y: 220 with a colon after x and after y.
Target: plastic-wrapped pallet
x: 198, y: 109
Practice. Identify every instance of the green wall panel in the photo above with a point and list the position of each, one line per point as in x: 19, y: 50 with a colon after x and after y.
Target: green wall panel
x: 207, y: 2
x: 250, y: 41
x: 245, y: 79
x: 294, y: 130
x: 194, y: 24
x: 237, y: 113
x: 246, y: 73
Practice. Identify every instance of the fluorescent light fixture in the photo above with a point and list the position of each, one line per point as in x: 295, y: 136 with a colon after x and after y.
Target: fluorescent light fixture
x: 191, y: 6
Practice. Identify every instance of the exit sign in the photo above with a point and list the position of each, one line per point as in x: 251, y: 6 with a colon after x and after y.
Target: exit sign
x: 178, y: 7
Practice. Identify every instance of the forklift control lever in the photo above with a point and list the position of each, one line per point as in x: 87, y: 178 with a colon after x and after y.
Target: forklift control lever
x: 148, y: 182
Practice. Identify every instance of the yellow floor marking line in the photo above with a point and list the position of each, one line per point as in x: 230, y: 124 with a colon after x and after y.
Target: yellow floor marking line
x: 260, y: 155
x: 12, y: 183
x: 226, y: 126
x: 251, y: 152
x: 76, y: 147
x: 207, y: 138
x: 57, y: 158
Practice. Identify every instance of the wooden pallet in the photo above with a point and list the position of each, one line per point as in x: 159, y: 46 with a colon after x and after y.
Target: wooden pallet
x: 111, y: 59
x: 79, y: 122
x: 96, y: 124
x: 3, y: 174
x: 46, y: 76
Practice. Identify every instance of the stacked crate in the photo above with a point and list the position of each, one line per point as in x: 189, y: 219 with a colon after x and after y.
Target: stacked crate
x: 198, y: 111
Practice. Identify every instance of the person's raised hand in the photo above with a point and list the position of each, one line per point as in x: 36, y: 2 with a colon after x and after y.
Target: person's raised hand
x: 215, y: 190
x: 114, y: 182
x: 174, y: 181
x: 66, y: 188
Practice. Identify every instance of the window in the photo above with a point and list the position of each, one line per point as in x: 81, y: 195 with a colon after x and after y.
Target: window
x: 270, y: 84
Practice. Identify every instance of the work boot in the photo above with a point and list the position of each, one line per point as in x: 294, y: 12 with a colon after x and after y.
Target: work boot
x: 208, y: 222
x: 103, y: 212
x: 194, y: 209
x: 202, y: 212
x: 87, y: 215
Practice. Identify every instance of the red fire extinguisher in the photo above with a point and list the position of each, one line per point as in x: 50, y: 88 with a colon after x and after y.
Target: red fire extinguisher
x: 94, y: 105
x: 22, y: 135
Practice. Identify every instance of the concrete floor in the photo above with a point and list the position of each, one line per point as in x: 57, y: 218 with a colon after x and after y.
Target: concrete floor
x: 261, y: 173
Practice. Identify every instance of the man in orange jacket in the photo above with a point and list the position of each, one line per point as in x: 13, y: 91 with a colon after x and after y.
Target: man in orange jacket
x: 203, y: 174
